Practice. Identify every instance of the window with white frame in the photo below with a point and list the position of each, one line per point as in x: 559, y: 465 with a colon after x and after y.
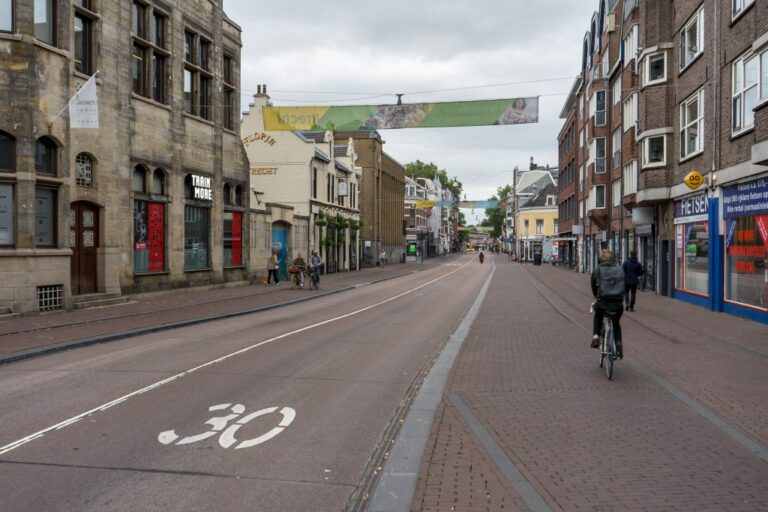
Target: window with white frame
x: 617, y: 91
x: 630, y: 111
x: 740, y: 6
x: 616, y: 193
x: 654, y: 151
x: 692, y: 39
x: 692, y: 125
x: 655, y: 68
x: 539, y: 226
x: 597, y: 154
x: 596, y: 197
x: 746, y: 89
x: 616, y: 146
x: 581, y: 138
x: 598, y: 108
x: 631, y: 44
x: 630, y: 178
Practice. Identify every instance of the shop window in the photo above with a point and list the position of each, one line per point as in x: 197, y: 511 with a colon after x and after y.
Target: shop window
x: 196, y: 237
x: 233, y: 239
x: 45, y: 217
x: 45, y: 156
x: 692, y: 257
x: 746, y: 256
x: 139, y: 179
x: 45, y: 21
x: 84, y: 170
x: 7, y: 207
x: 6, y: 15
x: 7, y: 152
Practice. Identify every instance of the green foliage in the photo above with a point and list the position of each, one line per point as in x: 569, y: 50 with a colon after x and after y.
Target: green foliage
x: 495, y: 217
x: 419, y: 169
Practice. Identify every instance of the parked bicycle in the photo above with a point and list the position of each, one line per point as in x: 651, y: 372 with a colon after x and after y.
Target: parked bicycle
x: 608, y: 354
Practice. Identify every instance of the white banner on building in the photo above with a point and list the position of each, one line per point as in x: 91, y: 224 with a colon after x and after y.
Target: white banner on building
x: 84, y: 106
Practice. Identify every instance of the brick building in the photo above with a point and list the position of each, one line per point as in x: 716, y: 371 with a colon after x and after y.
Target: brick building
x: 671, y: 91
x: 157, y: 196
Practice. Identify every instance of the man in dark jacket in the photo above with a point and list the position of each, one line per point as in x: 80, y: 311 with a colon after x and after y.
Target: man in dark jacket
x: 607, y: 302
x: 632, y: 271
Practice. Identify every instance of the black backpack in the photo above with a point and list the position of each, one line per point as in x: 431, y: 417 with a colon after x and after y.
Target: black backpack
x: 610, y: 282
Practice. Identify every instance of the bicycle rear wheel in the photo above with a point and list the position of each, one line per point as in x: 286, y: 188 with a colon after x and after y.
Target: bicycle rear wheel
x: 610, y: 357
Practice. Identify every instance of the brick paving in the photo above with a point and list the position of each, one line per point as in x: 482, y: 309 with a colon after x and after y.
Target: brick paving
x: 586, y: 443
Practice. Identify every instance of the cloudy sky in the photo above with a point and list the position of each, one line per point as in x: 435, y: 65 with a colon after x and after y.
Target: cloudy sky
x: 348, y: 52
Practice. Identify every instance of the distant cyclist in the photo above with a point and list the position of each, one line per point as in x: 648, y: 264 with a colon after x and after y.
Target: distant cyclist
x: 301, y: 266
x: 608, y: 289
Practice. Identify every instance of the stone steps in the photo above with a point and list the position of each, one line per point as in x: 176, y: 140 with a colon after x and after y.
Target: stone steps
x: 95, y: 300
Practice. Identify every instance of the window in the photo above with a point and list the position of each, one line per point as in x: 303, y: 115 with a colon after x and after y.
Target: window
x: 616, y: 193
x: 746, y: 75
x: 740, y: 6
x: 85, y: 19
x: 631, y: 44
x: 655, y: 68
x: 600, y: 196
x: 233, y: 239
x: 158, y: 182
x: 745, y: 266
x: 150, y: 54
x: 45, y: 156
x: 692, y: 257
x: 197, y: 75
x: 197, y: 219
x: 581, y: 178
x: 139, y: 180
x: 599, y: 108
x: 630, y: 178
x: 7, y: 153
x: 238, y: 196
x: 45, y: 217
x: 227, y: 193
x: 597, y: 153
x: 692, y: 39
x: 83, y: 170
x: 7, y: 224
x: 6, y: 15
x: 314, y: 182
x: 526, y: 226
x: 554, y: 226
x: 617, y: 91
x: 616, y: 146
x: 654, y: 151
x: 692, y: 125
x: 539, y: 226
x: 630, y: 112
x: 45, y: 21
x: 229, y: 93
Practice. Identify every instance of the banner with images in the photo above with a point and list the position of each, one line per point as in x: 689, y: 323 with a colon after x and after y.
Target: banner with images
x: 413, y: 115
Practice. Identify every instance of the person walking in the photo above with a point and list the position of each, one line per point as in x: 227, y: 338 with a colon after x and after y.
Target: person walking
x: 272, y: 264
x: 314, y: 264
x: 632, y: 272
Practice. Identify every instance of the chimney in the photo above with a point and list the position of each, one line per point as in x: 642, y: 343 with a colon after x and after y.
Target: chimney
x: 264, y: 88
x: 258, y: 90
x: 260, y: 99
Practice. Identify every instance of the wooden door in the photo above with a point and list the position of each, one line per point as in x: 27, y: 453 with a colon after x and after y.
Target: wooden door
x: 84, y: 241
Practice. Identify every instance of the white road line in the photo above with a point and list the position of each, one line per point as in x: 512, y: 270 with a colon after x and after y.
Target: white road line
x: 37, y: 435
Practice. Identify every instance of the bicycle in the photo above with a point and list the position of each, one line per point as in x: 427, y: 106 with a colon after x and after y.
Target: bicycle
x: 608, y: 354
x: 295, y: 277
x: 314, y: 280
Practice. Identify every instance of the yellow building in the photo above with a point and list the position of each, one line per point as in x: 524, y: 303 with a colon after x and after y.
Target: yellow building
x: 537, y: 226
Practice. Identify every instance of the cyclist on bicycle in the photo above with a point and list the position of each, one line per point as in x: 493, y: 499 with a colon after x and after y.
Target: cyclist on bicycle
x: 314, y: 265
x: 608, y: 289
x: 301, y: 265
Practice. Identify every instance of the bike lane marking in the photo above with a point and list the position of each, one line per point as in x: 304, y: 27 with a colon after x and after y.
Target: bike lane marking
x: 101, y: 408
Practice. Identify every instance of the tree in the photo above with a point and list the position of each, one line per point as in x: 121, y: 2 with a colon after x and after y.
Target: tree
x: 495, y: 217
x: 419, y: 169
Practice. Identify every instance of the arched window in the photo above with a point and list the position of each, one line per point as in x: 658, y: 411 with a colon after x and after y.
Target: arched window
x: 238, y: 196
x: 188, y: 188
x: 84, y: 170
x: 45, y: 156
x: 7, y: 152
x: 158, y: 182
x: 227, y: 194
x: 139, y: 179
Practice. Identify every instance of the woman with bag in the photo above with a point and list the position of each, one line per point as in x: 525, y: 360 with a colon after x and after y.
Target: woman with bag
x: 272, y: 264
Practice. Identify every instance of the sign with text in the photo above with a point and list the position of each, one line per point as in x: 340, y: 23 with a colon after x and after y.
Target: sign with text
x: 413, y: 115
x: 749, y: 198
x: 691, y: 209
x: 201, y: 188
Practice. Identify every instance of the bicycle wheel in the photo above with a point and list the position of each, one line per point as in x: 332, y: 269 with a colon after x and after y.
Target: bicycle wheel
x: 610, y: 357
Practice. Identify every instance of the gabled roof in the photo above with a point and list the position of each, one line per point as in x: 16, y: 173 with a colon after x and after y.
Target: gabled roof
x: 540, y: 199
x: 532, y: 181
x: 321, y: 156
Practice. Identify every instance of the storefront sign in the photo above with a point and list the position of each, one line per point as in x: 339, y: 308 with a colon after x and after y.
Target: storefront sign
x: 263, y: 171
x: 691, y: 209
x: 749, y: 198
x: 343, y: 189
x: 201, y: 186
x: 259, y: 136
x: 694, y: 180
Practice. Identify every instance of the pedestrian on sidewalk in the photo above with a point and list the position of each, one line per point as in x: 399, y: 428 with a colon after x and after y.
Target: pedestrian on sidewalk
x: 632, y: 272
x: 608, y: 289
x: 383, y: 257
x: 272, y: 264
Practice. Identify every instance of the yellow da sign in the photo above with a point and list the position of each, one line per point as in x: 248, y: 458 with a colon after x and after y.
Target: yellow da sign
x: 694, y: 180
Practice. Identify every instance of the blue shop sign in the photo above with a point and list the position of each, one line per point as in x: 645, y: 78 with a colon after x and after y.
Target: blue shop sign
x: 750, y: 198
x: 691, y: 209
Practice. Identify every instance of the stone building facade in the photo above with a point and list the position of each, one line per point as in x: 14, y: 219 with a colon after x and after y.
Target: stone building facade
x: 157, y: 196
x: 672, y: 98
x: 382, y: 198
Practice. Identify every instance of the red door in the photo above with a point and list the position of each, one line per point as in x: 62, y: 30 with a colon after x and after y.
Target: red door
x: 156, y: 237
x: 237, y: 239
x: 84, y: 241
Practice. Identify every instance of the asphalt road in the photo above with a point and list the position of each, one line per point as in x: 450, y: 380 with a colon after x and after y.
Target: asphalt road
x: 307, y: 394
